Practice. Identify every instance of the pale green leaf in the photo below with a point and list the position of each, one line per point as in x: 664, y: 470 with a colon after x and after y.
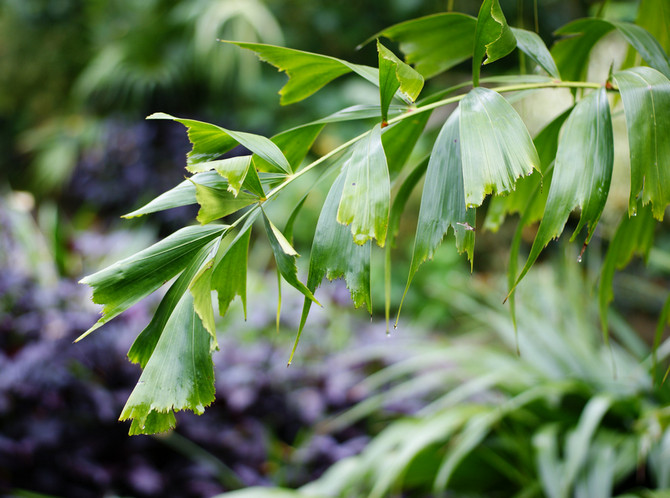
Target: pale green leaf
x: 493, y: 37
x: 229, y: 277
x: 361, y: 111
x: 394, y: 74
x: 178, y: 376
x: 399, y: 140
x: 233, y: 169
x: 532, y: 45
x: 646, y: 99
x: 365, y: 201
x: 496, y: 147
x: 211, y: 142
x: 294, y: 144
x: 216, y: 203
x: 201, y: 289
x: 126, y: 282
x: 285, y: 258
x: 435, y: 43
x: 582, y: 172
x: 307, y: 72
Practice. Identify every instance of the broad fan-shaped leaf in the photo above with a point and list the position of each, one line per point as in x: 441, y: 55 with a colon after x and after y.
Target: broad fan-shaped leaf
x: 434, y: 43
x: 307, y: 72
x: 443, y: 200
x: 493, y: 37
x: 366, y: 195
x: 582, y: 172
x: 532, y: 45
x: 126, y: 282
x: 216, y: 203
x: 211, y: 142
x: 394, y: 74
x: 496, y: 147
x: 285, y: 258
x: 646, y: 99
x: 229, y: 277
x: 178, y: 376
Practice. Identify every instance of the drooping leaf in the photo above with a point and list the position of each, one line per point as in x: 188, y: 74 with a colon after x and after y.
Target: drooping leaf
x: 285, y: 258
x: 394, y: 74
x: 434, y: 43
x: 493, y: 37
x: 181, y: 195
x: 229, y: 277
x: 335, y: 255
x: 654, y: 16
x: 307, y: 72
x: 443, y: 199
x: 532, y: 45
x: 233, y: 169
x: 582, y: 172
x: 126, y: 282
x: 144, y: 344
x: 400, y: 139
x: 633, y: 237
x: 496, y: 147
x: 216, y: 203
x: 646, y: 99
x: 211, y: 142
x: 201, y: 289
x: 365, y: 201
x: 294, y: 144
x: 178, y: 376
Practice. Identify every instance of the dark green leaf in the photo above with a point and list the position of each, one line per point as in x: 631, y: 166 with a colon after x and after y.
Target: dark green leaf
x: 307, y: 72
x: 178, y: 376
x: 394, y: 74
x: 366, y: 194
x: 582, y: 172
x: 399, y: 140
x: 216, y: 203
x: 434, y: 43
x: 126, y: 282
x: 229, y: 277
x: 496, y: 147
x: 646, y: 99
x: 294, y: 144
x: 211, y: 142
x: 493, y: 37
x: 532, y: 45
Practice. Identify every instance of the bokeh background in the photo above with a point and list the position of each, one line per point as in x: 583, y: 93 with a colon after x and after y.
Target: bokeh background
x: 77, y: 79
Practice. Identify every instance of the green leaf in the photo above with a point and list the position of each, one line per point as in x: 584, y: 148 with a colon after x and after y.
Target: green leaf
x: 201, y: 289
x: 496, y: 148
x: 181, y: 195
x: 229, y: 277
x: 285, y: 258
x: 493, y: 37
x: 582, y: 173
x: 216, y: 203
x: 126, y: 282
x: 394, y: 74
x: 361, y: 111
x: 211, y: 141
x: 366, y: 195
x: 307, y: 72
x: 294, y: 144
x: 434, y: 43
x: 335, y: 255
x: 646, y: 99
x: 144, y: 344
x: 633, y: 237
x: 233, y: 169
x: 178, y: 376
x: 532, y: 45
x: 443, y: 199
x: 399, y: 141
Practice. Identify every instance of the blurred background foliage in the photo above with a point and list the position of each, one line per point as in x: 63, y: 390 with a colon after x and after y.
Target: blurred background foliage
x: 77, y: 78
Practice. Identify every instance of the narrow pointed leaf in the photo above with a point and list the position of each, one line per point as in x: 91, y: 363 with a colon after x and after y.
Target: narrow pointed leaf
x: 126, y: 282
x: 294, y: 144
x: 646, y: 98
x: 178, y: 376
x: 532, y: 45
x: 434, y: 43
x: 366, y: 195
x: 394, y: 74
x: 201, y: 289
x: 307, y: 72
x: 216, y: 203
x: 144, y: 344
x: 181, y: 195
x: 361, y: 111
x: 285, y: 258
x: 229, y: 276
x: 493, y: 37
x: 496, y: 147
x: 211, y: 141
x: 233, y: 169
x: 443, y: 199
x: 582, y: 172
